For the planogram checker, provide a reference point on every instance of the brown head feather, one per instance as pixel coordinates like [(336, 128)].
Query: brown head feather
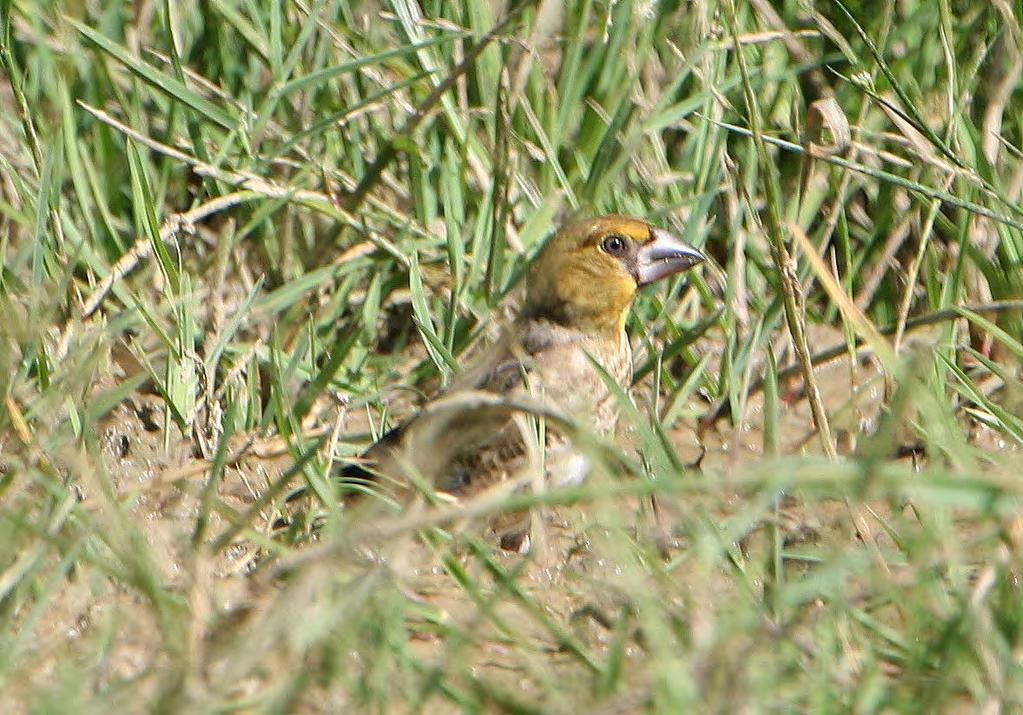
[(587, 275)]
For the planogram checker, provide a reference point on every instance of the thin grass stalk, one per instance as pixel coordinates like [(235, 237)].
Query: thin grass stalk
[(791, 291)]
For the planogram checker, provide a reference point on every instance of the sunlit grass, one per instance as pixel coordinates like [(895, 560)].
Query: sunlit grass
[(238, 238)]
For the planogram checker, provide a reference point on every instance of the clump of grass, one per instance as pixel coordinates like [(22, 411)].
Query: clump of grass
[(229, 231)]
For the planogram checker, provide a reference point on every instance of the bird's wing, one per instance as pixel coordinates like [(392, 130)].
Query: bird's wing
[(469, 436)]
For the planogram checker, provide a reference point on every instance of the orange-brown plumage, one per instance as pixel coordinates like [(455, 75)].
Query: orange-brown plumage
[(578, 294)]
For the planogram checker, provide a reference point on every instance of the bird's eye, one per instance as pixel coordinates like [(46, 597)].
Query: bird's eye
[(615, 245)]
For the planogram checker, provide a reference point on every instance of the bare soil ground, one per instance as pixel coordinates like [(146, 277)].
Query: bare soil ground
[(576, 574)]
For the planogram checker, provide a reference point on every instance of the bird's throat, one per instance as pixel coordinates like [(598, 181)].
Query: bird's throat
[(598, 321)]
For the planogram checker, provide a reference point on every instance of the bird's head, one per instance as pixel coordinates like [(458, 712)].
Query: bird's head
[(587, 275)]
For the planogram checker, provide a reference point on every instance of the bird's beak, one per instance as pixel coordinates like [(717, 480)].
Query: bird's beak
[(664, 255)]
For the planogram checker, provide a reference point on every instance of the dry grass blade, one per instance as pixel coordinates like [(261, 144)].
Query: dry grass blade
[(792, 294)]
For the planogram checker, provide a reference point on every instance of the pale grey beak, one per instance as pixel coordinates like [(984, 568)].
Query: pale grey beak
[(664, 255)]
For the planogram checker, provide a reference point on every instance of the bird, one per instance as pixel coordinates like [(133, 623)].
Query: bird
[(475, 434)]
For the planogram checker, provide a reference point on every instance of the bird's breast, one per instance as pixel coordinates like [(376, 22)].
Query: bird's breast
[(570, 380)]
